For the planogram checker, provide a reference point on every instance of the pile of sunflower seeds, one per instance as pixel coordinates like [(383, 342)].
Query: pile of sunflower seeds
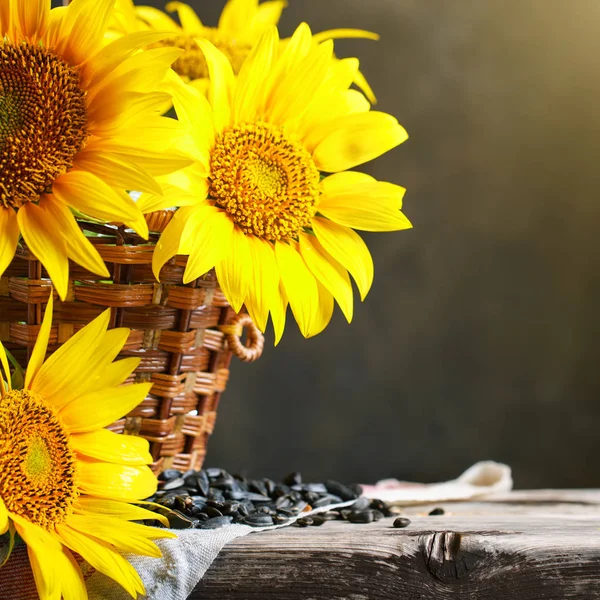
[(211, 498)]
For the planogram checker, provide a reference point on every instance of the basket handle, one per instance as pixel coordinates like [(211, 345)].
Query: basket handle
[(255, 341)]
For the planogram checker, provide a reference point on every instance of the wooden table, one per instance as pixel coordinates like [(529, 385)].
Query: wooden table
[(524, 545)]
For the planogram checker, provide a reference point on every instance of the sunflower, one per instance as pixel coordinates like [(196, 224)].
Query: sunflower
[(65, 482), (79, 125), (272, 205), (240, 26)]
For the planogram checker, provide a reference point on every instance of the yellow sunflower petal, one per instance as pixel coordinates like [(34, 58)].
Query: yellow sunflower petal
[(157, 18), (348, 248), (87, 505), (299, 284), (111, 447), (84, 25), (41, 344), (267, 15), (234, 272), (79, 247), (116, 373), (126, 536), (187, 17), (364, 86), (328, 108), (9, 236), (168, 244), (42, 548), (116, 482), (154, 161), (328, 272), (193, 108), (3, 518), (102, 558), (46, 244), (296, 49), (141, 72), (5, 373), (337, 34), (92, 368), (324, 311), (296, 91), (111, 56), (5, 20), (278, 314), (355, 139), (32, 16), (101, 408), (55, 375), (117, 172), (212, 234), (264, 291), (94, 197), (368, 207), (222, 81), (71, 577), (236, 15), (347, 182), (253, 74), (170, 198)]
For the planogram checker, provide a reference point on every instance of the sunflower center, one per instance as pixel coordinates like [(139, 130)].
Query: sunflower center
[(266, 181), (37, 464), (192, 63), (42, 121)]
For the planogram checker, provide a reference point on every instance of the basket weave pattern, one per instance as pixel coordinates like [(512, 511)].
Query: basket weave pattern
[(184, 334)]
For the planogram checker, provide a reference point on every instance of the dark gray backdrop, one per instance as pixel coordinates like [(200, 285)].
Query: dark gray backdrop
[(479, 337)]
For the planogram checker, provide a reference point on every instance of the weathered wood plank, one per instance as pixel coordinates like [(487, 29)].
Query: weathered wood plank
[(476, 551)]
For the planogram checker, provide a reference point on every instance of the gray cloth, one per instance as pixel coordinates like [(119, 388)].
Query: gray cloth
[(184, 562)]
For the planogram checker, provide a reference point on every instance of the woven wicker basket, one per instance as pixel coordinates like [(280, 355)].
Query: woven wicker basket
[(185, 335)]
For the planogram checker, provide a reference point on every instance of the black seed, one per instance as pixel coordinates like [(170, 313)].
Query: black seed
[(230, 508), (178, 520), (401, 522), (257, 497), (339, 489), (331, 515), (213, 473), (362, 504), (258, 487), (327, 500), (215, 494), (280, 519), (212, 512), (436, 511), (215, 522), (293, 479), (304, 522), (357, 489), (259, 520), (169, 474), (317, 520), (283, 502), (173, 484), (203, 483), (360, 516)]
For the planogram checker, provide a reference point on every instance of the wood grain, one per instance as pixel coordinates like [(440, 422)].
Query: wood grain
[(531, 546)]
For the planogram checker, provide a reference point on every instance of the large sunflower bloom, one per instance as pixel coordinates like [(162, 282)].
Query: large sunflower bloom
[(80, 125), (65, 482), (241, 24), (259, 208)]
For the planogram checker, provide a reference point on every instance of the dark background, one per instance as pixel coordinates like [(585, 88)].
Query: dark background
[(479, 337)]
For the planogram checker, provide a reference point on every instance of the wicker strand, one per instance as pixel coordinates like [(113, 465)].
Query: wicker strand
[(184, 334)]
